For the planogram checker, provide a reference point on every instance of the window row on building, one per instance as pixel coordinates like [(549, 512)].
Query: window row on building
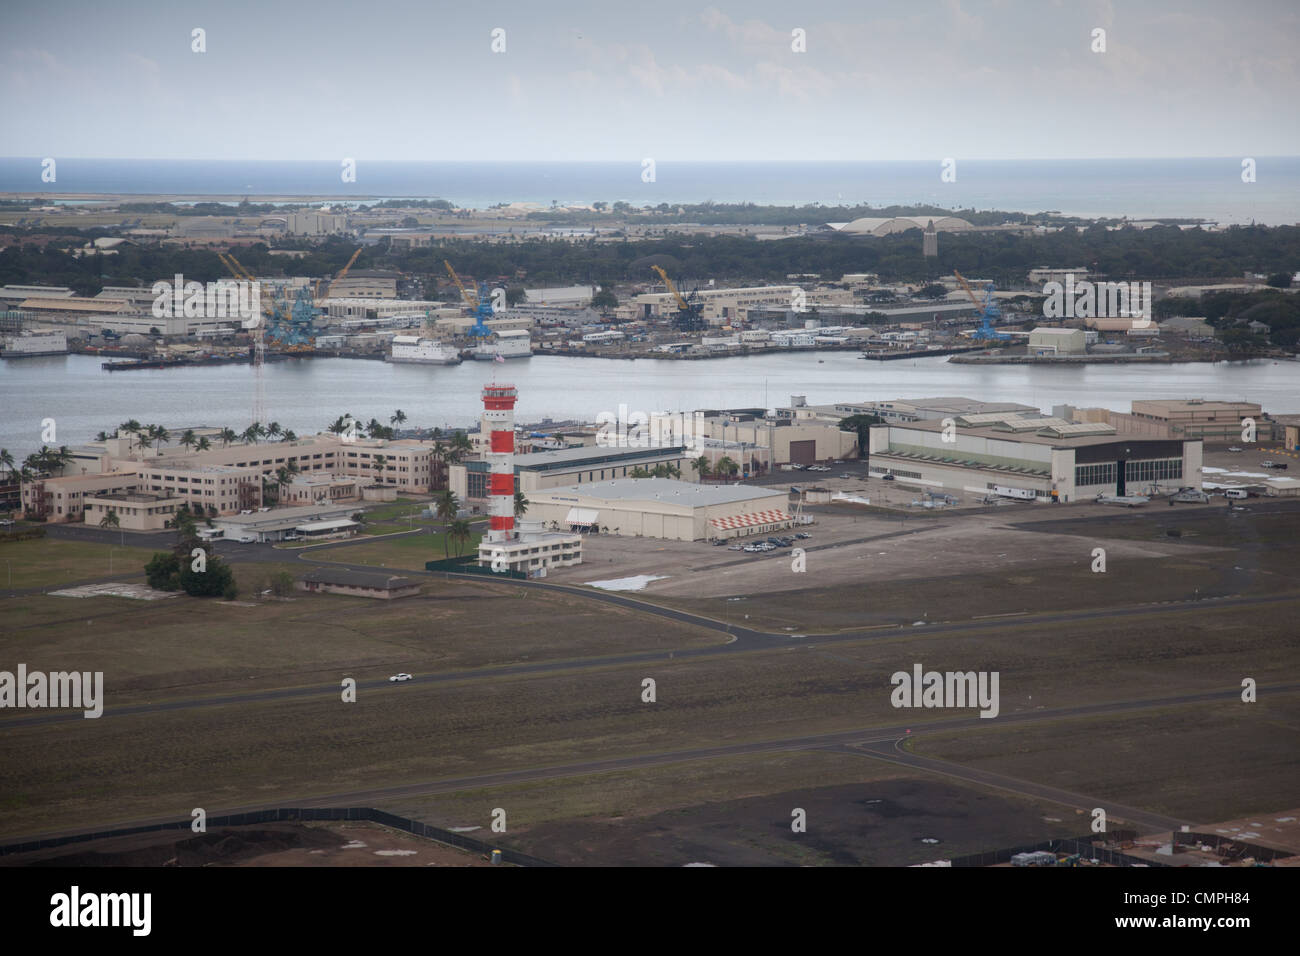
[(1094, 474), (1159, 469)]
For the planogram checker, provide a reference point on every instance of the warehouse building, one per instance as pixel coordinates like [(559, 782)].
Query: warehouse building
[(1051, 341), (770, 442), (897, 409), (1044, 458), (1198, 418), (561, 467), (662, 508)]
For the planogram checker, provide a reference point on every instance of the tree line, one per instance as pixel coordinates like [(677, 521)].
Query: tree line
[(1164, 252)]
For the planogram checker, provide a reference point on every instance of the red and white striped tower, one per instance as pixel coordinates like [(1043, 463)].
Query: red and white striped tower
[(499, 413)]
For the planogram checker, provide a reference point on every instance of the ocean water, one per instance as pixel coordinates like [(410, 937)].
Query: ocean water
[(307, 394), (1210, 189)]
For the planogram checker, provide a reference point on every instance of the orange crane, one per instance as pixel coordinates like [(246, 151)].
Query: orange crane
[(688, 309), (338, 278), (259, 341), (969, 291), (681, 303), (471, 300)]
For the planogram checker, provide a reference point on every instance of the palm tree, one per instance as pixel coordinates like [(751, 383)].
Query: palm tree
[(110, 520), (521, 504), (282, 478), (7, 462), (381, 463), (63, 458), (446, 508), (290, 435), (701, 465), (460, 533), (159, 434), (274, 431), (203, 444), (726, 466), (250, 434), (187, 439), (130, 428), (227, 435), (460, 446), (102, 436), (397, 418), (144, 439)]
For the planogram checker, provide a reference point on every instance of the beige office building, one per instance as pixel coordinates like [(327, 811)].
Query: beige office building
[(135, 511), (64, 499)]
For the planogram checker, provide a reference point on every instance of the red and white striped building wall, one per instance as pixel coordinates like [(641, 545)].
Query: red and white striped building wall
[(499, 414)]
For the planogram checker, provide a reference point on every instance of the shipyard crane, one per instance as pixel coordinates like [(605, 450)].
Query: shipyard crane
[(989, 313), (480, 305), (688, 309), (257, 354), (338, 278)]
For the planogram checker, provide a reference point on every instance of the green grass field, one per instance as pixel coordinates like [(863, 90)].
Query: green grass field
[(1198, 761), (410, 552), (49, 562)]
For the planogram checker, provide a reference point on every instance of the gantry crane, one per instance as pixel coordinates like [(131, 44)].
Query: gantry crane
[(688, 309), (257, 331), (480, 305), (989, 312), (338, 278)]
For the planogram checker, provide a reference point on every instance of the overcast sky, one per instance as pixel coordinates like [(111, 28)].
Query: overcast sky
[(614, 80)]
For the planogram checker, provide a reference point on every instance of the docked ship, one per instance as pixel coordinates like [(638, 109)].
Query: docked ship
[(33, 344), (418, 351), (504, 344)]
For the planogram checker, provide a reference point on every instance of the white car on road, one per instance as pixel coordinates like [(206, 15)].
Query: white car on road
[(396, 678)]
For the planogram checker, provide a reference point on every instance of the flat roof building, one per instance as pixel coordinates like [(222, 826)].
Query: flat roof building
[(134, 511), (663, 508), (1199, 418), (567, 466), (275, 525), (1044, 458)]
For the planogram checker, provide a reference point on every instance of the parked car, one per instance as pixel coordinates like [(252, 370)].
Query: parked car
[(803, 534), (846, 475), (1273, 464), (1234, 448), (886, 477), (398, 678)]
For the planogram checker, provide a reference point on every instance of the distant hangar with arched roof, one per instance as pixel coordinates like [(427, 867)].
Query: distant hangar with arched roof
[(876, 226)]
